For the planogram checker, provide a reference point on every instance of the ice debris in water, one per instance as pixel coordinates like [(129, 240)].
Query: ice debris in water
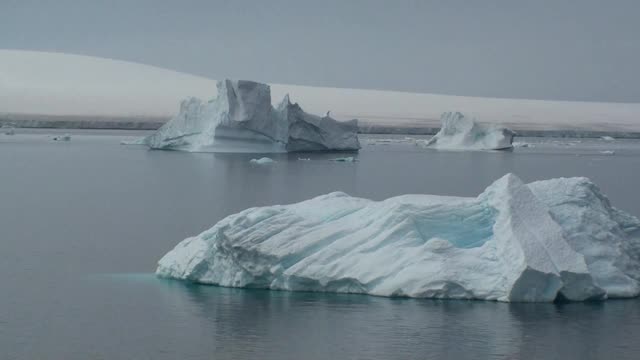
[(304, 159), (459, 132), (262, 161), (607, 152), (521, 144), (345, 159), (65, 137), (376, 141), (537, 242), (9, 131), (607, 138), (242, 119)]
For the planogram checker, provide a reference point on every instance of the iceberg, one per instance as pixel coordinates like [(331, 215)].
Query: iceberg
[(65, 137), (459, 132), (242, 119), (515, 242), (262, 161), (345, 159)]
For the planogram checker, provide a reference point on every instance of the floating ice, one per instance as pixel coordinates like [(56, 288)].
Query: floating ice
[(550, 239), (345, 159), (262, 161), (521, 144), (65, 137), (376, 141), (242, 119), (607, 138), (9, 131), (462, 133), (304, 159), (607, 152)]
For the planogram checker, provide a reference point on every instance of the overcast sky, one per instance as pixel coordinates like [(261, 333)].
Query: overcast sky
[(556, 49)]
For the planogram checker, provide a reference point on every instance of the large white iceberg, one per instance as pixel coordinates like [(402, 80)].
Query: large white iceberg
[(242, 119), (548, 240), (459, 132)]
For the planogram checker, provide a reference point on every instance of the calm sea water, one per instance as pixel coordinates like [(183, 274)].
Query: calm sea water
[(82, 224)]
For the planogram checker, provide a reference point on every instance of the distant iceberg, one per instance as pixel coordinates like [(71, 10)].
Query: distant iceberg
[(548, 240), (64, 137), (262, 161), (459, 132), (242, 119)]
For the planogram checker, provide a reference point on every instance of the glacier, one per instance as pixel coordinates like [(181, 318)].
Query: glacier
[(515, 242), (459, 132), (242, 119)]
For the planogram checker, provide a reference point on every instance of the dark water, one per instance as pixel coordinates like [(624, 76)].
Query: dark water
[(83, 223)]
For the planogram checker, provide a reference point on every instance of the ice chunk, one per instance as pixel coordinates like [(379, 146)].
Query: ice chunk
[(344, 159), (607, 152), (551, 239), (459, 132), (607, 138), (262, 161), (65, 137), (242, 119)]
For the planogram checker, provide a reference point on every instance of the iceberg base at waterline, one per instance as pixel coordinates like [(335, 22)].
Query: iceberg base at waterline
[(242, 119), (515, 242)]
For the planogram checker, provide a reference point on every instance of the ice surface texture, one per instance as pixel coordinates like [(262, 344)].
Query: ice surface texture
[(242, 119), (462, 133), (558, 238)]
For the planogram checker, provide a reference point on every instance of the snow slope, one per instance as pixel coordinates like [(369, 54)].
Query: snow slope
[(514, 242), (64, 84)]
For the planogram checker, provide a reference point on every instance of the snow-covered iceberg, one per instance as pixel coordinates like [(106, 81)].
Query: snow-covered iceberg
[(242, 119), (459, 132), (548, 240)]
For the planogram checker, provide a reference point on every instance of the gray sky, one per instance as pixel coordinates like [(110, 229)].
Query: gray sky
[(556, 49)]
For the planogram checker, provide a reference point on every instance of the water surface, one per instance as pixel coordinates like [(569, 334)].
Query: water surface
[(84, 222)]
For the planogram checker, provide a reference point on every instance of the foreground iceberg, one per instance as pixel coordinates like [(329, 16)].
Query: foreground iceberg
[(459, 132), (539, 242), (242, 119)]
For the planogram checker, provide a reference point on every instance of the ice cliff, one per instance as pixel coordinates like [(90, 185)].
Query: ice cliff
[(459, 132), (242, 119), (548, 240)]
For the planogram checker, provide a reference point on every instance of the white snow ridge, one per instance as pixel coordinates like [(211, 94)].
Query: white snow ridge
[(242, 119), (459, 132), (548, 240)]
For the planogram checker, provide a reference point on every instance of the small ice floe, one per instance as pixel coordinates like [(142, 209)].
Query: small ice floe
[(406, 140), (345, 159), (136, 141), (607, 138), (608, 152), (566, 143), (304, 159), (65, 137), (379, 142), (262, 161), (518, 144), (9, 131)]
